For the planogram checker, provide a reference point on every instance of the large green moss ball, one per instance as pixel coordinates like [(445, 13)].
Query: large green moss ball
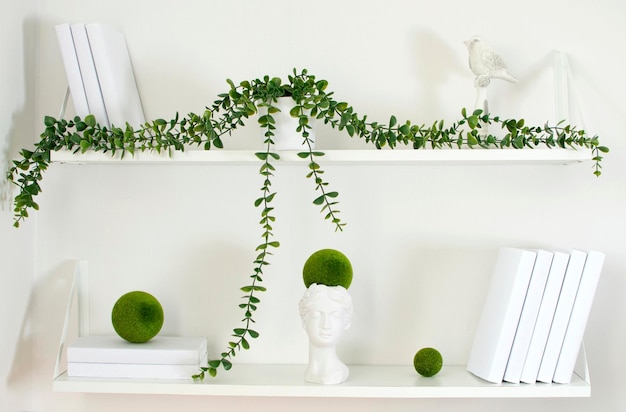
[(137, 316), (427, 362), (327, 267)]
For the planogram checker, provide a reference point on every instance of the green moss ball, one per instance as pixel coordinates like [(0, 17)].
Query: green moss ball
[(427, 362), (137, 316), (327, 267)]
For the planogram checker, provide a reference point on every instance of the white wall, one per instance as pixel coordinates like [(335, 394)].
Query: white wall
[(422, 238), (18, 31)]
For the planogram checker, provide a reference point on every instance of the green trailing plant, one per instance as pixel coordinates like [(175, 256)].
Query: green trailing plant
[(232, 110)]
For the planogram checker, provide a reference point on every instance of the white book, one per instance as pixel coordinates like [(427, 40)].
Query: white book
[(528, 318), (89, 74), (72, 69), (578, 319), (561, 316), (544, 317), (132, 371), (501, 313), (116, 76), (158, 350)]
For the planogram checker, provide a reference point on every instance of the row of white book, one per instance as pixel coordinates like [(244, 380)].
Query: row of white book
[(100, 74), (163, 357), (534, 316)]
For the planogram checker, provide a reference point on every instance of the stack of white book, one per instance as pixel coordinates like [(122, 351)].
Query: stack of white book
[(535, 314), (100, 74), (163, 357)]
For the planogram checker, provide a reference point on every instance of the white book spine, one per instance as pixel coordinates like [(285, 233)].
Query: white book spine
[(160, 350), (561, 316), (500, 315), (528, 318), (578, 319), (115, 72), (133, 371), (72, 69), (89, 74), (544, 317)]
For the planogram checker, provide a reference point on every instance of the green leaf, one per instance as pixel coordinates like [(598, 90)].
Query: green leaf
[(49, 121), (393, 121), (253, 334), (90, 119), (227, 364), (342, 106), (320, 200), (84, 145), (472, 121), (295, 111)]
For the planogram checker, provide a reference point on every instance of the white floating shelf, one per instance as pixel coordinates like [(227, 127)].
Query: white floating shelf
[(364, 382), (398, 156)]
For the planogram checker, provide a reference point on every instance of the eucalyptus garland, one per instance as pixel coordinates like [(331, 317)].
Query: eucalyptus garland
[(232, 110)]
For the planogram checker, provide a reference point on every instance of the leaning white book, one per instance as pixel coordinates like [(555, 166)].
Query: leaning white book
[(578, 319), (501, 313), (544, 317), (528, 318), (561, 316), (116, 75), (72, 69), (88, 72)]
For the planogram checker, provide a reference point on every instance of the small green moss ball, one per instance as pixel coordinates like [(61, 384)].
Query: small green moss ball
[(427, 362), (327, 267), (137, 316)]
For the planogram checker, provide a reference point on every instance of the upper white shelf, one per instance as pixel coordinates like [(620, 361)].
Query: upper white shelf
[(398, 156), (364, 382)]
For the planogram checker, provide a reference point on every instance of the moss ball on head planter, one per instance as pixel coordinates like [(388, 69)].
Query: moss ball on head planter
[(327, 267), (427, 362), (137, 317)]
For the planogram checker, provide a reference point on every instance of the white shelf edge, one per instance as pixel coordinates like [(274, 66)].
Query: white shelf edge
[(398, 156), (364, 382)]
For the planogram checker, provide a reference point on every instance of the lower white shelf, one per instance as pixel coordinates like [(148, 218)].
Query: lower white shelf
[(364, 382)]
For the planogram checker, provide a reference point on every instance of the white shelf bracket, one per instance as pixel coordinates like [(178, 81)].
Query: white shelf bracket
[(582, 368), (561, 87), (78, 295), (567, 105)]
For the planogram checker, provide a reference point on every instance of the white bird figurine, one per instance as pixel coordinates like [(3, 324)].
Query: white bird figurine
[(485, 63)]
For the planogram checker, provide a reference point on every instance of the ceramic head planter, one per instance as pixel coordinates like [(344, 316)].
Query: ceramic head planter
[(326, 312)]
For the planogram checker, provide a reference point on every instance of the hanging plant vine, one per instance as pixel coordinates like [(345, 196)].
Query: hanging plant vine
[(232, 110)]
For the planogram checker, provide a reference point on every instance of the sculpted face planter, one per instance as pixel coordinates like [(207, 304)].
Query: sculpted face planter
[(326, 313)]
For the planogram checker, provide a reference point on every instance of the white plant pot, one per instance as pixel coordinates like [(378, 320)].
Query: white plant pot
[(286, 137)]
